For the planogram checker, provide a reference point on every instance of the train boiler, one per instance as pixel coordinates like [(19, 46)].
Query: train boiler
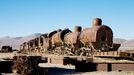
[(98, 37), (71, 39), (58, 38)]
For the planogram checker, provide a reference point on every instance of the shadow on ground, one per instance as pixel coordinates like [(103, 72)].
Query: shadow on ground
[(58, 71)]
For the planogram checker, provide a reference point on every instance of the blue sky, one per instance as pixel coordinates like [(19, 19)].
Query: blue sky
[(25, 17)]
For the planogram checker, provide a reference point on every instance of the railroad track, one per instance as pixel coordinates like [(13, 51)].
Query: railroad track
[(116, 54)]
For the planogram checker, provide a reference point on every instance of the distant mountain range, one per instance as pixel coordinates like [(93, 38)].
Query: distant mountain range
[(16, 41), (127, 45)]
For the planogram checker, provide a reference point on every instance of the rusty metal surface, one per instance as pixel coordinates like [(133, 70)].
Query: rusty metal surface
[(77, 29), (97, 35), (56, 40), (52, 33), (97, 22), (115, 47), (71, 38)]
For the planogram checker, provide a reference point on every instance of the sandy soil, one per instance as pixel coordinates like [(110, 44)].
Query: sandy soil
[(7, 55)]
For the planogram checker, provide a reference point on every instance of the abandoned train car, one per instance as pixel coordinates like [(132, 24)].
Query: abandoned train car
[(96, 38)]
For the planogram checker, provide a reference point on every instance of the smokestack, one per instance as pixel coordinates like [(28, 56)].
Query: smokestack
[(59, 30), (78, 29), (97, 22)]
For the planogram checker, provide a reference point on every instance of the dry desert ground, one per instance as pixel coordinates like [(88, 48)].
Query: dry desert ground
[(56, 69)]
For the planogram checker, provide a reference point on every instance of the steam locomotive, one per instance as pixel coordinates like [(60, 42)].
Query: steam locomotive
[(78, 42)]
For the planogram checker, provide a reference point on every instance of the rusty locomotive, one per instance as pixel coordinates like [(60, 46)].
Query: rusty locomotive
[(79, 42)]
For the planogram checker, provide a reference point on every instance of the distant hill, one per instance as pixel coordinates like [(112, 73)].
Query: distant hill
[(127, 45), (16, 41), (119, 40)]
